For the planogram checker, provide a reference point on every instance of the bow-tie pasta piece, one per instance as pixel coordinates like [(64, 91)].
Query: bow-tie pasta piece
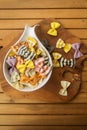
[(56, 55), (33, 80), (20, 60), (27, 64), (15, 48), (64, 85), (11, 54), (12, 70), (67, 47), (76, 47), (15, 77), (53, 31), (55, 25), (21, 68), (30, 72), (38, 52), (63, 92), (32, 42), (27, 55), (42, 65), (56, 63), (41, 51), (32, 49), (60, 43), (65, 62), (45, 70), (18, 85), (11, 61)]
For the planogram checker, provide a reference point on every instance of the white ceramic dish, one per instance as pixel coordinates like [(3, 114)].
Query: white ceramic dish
[(28, 31)]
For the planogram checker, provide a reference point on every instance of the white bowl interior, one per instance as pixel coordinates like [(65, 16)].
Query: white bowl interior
[(28, 31)]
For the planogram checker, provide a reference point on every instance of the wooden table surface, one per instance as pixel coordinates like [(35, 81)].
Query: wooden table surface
[(23, 114)]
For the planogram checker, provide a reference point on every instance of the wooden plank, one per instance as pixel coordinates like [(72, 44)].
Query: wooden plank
[(85, 66), (84, 76), (5, 33), (43, 120), (1, 89), (33, 13), (16, 24), (81, 98), (43, 127), (43, 4), (82, 33), (84, 87), (84, 41), (48, 109)]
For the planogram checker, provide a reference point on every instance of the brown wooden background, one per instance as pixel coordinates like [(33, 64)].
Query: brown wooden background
[(24, 114)]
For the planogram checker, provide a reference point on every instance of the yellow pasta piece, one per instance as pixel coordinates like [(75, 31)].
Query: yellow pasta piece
[(56, 55), (32, 49), (32, 41), (38, 51), (52, 32), (18, 85), (11, 53), (67, 47), (55, 25), (56, 63), (29, 64), (60, 43), (21, 68)]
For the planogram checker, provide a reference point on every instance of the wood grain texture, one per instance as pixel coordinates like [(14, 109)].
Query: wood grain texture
[(41, 109), (19, 24), (4, 98), (47, 4), (81, 33), (43, 120), (47, 13), (14, 14), (49, 87), (43, 127)]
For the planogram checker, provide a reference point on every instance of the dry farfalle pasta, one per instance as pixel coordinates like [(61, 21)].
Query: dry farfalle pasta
[(28, 64)]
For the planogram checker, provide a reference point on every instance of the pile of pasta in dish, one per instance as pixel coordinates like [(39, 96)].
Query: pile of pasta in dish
[(28, 64)]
